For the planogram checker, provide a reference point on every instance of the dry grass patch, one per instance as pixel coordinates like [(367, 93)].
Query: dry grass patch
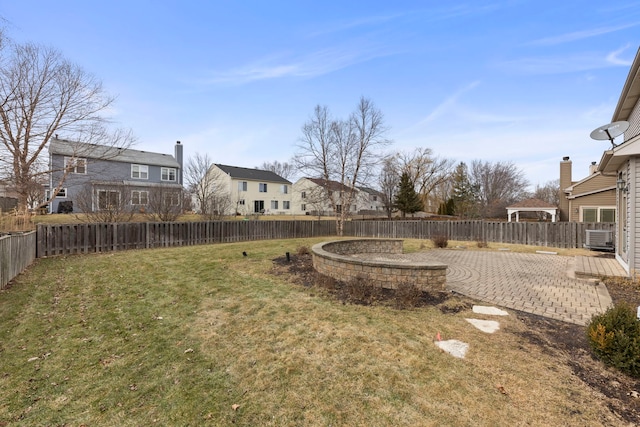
[(204, 336)]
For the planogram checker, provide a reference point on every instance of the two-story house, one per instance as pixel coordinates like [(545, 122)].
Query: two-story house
[(369, 201), (252, 190), (592, 199), (622, 162), (317, 196), (95, 177)]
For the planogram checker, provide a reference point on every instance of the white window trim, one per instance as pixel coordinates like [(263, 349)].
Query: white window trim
[(62, 194), (140, 192), (242, 186), (142, 169), (598, 212), (106, 191), (168, 173), (262, 185), (75, 161)]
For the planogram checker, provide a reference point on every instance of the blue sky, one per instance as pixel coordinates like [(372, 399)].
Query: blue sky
[(513, 80)]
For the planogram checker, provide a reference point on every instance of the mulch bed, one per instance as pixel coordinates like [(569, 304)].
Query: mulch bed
[(565, 340)]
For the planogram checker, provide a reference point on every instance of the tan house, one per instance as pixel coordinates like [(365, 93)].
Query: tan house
[(592, 199), (317, 196), (622, 161), (253, 190)]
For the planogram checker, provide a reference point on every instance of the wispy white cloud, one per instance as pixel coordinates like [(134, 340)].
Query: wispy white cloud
[(579, 35), (320, 62), (447, 105), (565, 63), (424, 15), (614, 58), (356, 23)]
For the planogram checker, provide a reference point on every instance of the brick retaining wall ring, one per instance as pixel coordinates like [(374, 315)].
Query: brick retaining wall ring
[(378, 260)]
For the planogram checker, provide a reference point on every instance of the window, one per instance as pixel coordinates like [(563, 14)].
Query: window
[(286, 204), (607, 215), (593, 214), (263, 187), (303, 207), (75, 164), (168, 174), (140, 171), (242, 186), (284, 189), (375, 198), (108, 199), (139, 197), (274, 204), (62, 193), (303, 195), (241, 202), (589, 215), (172, 198)]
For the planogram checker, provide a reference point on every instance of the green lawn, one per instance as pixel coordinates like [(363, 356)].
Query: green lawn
[(204, 336)]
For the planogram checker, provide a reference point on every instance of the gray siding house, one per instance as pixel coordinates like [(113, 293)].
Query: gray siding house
[(95, 177)]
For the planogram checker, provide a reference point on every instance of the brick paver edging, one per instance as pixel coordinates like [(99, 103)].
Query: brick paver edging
[(379, 261)]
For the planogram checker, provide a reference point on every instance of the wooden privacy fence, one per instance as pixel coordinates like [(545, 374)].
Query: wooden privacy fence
[(88, 238), (552, 234), (66, 239), (17, 251)]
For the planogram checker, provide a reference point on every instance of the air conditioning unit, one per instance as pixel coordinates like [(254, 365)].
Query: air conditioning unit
[(600, 240)]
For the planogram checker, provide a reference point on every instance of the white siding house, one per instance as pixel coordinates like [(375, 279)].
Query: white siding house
[(253, 190), (623, 162)]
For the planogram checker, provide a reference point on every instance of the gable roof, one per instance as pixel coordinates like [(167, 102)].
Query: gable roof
[(370, 191), (251, 174), (533, 203), (64, 147), (328, 184), (630, 92), (595, 175)]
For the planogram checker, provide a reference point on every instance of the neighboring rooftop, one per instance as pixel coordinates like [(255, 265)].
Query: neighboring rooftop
[(252, 174), (532, 203), (104, 152)]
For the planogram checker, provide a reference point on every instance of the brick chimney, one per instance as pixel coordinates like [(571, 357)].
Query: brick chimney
[(565, 181), (179, 160)]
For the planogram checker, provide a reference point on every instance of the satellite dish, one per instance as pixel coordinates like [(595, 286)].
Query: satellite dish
[(610, 131)]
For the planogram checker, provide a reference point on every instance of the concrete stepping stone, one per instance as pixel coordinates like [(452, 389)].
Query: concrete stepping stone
[(481, 309), (453, 347), (488, 326)]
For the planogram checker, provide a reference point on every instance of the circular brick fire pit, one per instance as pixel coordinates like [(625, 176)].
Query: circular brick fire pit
[(378, 260)]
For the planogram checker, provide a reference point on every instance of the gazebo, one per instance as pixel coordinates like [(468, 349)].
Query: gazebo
[(532, 205)]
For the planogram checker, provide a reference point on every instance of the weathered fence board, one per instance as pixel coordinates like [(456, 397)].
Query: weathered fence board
[(17, 251), (89, 238)]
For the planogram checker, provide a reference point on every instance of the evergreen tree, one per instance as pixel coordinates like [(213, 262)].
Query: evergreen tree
[(407, 200), (465, 197)]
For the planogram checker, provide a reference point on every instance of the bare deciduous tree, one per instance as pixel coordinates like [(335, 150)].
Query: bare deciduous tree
[(498, 185), (389, 182), (342, 151), (107, 202), (427, 172), (284, 170), (212, 198), (41, 94), (165, 203), (549, 192)]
